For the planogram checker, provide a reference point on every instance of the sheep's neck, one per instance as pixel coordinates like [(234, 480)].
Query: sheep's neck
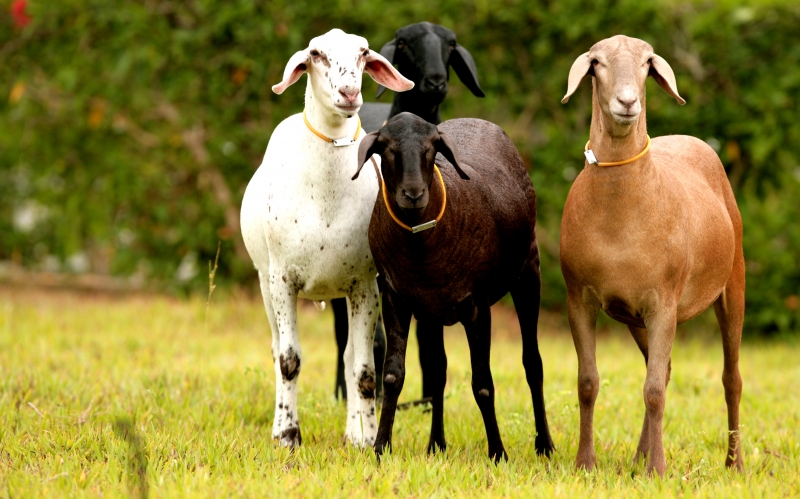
[(326, 121), (618, 191), (612, 142), (430, 212), (416, 103)]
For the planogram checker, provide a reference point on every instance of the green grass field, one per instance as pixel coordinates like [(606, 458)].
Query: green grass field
[(142, 396)]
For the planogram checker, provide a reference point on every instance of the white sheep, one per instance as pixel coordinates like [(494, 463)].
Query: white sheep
[(305, 223)]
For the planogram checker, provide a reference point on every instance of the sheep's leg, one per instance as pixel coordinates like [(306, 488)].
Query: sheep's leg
[(283, 303), (276, 345), (640, 336), (340, 326), (479, 336), (660, 336), (428, 359), (436, 378), (396, 320), (339, 307), (582, 320), (729, 309), (363, 309), (526, 294), (379, 353)]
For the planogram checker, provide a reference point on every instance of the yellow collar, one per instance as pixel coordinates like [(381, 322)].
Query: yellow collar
[(593, 161), (427, 225), (337, 142)]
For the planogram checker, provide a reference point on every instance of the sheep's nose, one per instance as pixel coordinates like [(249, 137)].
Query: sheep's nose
[(350, 95), (413, 197), (627, 101), (435, 83)]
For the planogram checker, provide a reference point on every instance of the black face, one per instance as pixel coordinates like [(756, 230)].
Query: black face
[(422, 54), (408, 145), (407, 150)]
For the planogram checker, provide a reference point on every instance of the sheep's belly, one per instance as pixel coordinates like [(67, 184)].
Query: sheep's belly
[(322, 260)]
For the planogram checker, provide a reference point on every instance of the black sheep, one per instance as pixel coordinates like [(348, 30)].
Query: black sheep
[(481, 246), (423, 53)]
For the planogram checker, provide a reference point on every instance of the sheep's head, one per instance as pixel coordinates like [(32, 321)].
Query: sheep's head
[(424, 52), (620, 66), (407, 145), (335, 63)]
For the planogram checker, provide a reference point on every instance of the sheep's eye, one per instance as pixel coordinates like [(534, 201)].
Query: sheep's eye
[(365, 53), (315, 53), (452, 43), (401, 44), (595, 62)]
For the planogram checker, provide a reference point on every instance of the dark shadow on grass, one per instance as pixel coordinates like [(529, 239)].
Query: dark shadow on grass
[(137, 459)]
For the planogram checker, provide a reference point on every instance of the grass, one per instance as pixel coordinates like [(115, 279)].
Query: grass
[(138, 396)]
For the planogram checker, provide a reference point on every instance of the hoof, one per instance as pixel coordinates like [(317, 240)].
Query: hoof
[(434, 447), (585, 463), (736, 465), (290, 437), (498, 455), (544, 445)]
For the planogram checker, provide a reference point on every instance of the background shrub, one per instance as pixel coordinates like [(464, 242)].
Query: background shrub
[(130, 129)]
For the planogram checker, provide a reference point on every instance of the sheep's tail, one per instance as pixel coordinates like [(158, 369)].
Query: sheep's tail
[(320, 305)]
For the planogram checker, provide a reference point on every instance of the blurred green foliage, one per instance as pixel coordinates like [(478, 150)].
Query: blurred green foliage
[(129, 130)]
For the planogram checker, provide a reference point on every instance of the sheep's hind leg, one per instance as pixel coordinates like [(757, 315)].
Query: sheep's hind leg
[(479, 336), (340, 326), (363, 308), (397, 320), (729, 309), (526, 294), (436, 373)]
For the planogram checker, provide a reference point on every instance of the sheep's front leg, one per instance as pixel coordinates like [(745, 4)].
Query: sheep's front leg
[(479, 336), (287, 355), (396, 320), (660, 336), (359, 362), (582, 320)]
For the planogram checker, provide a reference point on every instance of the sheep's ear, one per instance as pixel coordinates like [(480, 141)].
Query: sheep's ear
[(661, 72), (295, 68), (464, 66), (446, 146), (366, 149), (579, 69), (385, 74), (387, 51)]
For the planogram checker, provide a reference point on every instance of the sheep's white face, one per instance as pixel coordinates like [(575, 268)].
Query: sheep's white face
[(335, 63)]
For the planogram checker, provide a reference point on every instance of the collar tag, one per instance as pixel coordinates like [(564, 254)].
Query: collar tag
[(425, 226), (346, 141), (590, 157)]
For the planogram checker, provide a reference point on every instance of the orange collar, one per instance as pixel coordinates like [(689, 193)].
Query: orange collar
[(427, 225), (337, 142), (593, 160)]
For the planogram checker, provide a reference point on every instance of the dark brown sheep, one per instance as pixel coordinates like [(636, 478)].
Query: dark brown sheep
[(482, 247)]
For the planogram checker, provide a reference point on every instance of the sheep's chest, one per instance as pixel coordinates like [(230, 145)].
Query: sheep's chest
[(314, 217)]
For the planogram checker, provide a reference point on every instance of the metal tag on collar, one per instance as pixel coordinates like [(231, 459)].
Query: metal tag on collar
[(343, 142), (590, 157), (425, 226)]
